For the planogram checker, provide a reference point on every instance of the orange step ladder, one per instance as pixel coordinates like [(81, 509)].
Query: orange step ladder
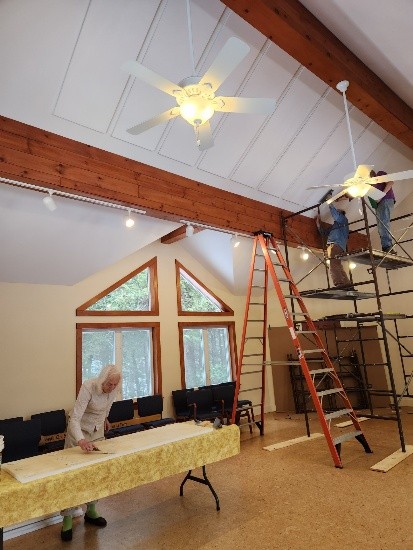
[(266, 257)]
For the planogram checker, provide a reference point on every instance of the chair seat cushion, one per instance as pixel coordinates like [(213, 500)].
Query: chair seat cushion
[(159, 423)]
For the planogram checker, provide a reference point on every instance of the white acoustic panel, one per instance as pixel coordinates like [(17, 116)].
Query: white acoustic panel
[(112, 32), (285, 124)]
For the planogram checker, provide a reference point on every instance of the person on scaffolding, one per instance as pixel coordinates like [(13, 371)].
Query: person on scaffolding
[(337, 237), (384, 209)]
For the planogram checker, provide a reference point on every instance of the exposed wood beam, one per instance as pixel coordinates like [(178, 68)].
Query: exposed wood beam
[(295, 30), (44, 159), (178, 235)]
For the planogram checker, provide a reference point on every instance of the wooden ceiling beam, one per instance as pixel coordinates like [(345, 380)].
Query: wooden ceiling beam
[(46, 160), (298, 32), (177, 235)]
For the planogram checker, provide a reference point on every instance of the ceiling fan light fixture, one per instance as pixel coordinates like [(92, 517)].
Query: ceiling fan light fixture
[(196, 110), (358, 190)]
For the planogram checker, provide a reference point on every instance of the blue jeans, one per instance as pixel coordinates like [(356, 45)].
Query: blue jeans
[(383, 214)]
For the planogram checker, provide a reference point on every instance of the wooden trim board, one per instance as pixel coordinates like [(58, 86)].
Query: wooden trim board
[(290, 442), (391, 461)]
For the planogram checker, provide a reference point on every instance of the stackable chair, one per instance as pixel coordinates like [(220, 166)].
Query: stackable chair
[(182, 411), (52, 429), (201, 404), (151, 405), (21, 438), (122, 411)]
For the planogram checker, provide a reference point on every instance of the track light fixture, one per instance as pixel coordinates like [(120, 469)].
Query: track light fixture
[(352, 265), (304, 254), (235, 240), (49, 202), (129, 222), (189, 230)]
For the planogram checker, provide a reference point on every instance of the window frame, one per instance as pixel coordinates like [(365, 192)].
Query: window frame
[(226, 310), (153, 290), (156, 348), (230, 325)]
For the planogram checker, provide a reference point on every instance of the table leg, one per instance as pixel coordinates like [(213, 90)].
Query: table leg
[(204, 481), (1, 538)]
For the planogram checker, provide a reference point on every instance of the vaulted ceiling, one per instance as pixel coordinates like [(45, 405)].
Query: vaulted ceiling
[(60, 65)]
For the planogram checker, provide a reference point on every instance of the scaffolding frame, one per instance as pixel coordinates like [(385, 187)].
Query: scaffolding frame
[(389, 326)]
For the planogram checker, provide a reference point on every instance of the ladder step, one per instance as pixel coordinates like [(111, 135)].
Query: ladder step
[(252, 354), (329, 392), (336, 414), (292, 296), (250, 389), (256, 303), (315, 350), (320, 371), (346, 437), (299, 314), (257, 286), (251, 372), (259, 269), (255, 320), (306, 332)]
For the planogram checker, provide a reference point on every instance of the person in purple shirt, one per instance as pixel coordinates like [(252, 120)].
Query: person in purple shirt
[(384, 211)]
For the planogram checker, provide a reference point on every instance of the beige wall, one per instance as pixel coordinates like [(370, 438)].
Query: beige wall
[(37, 325)]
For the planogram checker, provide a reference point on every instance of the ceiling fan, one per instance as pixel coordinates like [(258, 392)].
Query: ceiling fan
[(360, 184), (195, 97)]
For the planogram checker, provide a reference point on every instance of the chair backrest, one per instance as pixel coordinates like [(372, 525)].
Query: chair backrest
[(180, 402), (4, 421), (150, 405), (21, 439), (52, 422), (224, 392), (121, 410), (202, 398)]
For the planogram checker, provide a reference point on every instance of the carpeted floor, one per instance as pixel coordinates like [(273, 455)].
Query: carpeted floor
[(291, 498)]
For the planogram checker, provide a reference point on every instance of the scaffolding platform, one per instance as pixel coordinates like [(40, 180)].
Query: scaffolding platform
[(363, 317), (380, 259), (336, 294)]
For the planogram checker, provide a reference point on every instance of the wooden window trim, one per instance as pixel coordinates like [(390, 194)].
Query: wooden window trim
[(230, 325), (152, 265), (156, 348), (226, 310)]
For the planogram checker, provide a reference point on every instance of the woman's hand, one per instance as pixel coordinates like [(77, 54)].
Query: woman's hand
[(85, 445)]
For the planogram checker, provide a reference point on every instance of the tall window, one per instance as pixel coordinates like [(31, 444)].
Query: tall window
[(134, 347), (207, 353)]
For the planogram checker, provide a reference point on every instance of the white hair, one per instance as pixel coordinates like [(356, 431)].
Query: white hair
[(106, 373)]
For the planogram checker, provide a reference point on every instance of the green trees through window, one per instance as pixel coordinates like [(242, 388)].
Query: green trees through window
[(133, 295)]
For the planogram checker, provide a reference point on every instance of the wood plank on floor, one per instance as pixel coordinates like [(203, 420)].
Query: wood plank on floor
[(390, 461), (290, 442), (350, 422)]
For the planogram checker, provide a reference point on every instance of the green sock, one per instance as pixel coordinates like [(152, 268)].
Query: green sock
[(67, 523), (91, 510)]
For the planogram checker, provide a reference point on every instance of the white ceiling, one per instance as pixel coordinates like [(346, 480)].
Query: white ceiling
[(60, 70)]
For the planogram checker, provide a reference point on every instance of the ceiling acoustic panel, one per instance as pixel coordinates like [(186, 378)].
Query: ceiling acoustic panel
[(318, 126), (111, 33), (289, 117)]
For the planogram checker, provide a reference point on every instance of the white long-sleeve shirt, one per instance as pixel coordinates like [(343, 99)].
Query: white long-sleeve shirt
[(90, 410)]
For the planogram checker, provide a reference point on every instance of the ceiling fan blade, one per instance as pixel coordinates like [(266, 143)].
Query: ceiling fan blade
[(329, 186), (375, 194), (340, 194), (148, 124), (392, 177), (225, 62), (253, 105), (203, 136), (150, 77)]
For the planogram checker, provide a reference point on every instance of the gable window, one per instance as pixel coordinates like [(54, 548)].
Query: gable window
[(134, 347), (194, 298), (135, 294), (208, 353)]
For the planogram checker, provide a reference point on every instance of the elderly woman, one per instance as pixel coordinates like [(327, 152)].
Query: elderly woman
[(87, 424)]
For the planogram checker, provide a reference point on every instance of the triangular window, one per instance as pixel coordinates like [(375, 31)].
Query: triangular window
[(194, 298), (135, 294)]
